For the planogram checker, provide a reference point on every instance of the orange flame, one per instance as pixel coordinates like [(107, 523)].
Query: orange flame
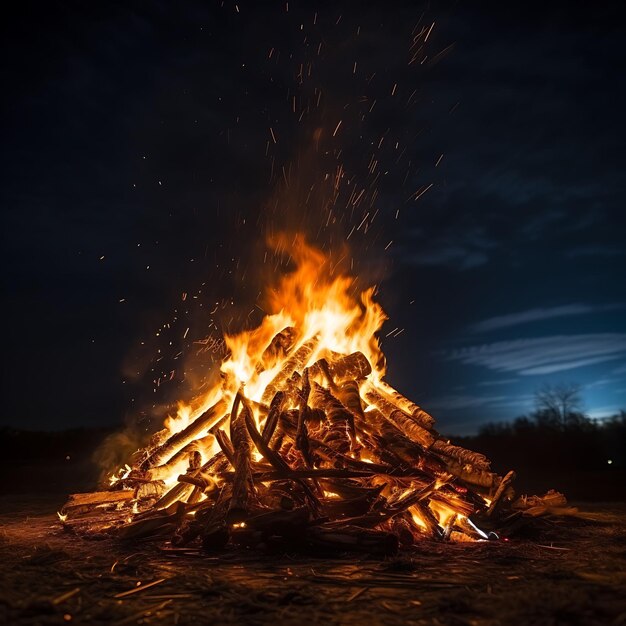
[(320, 306), (313, 301)]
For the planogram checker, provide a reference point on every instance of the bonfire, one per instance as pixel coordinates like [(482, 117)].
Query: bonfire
[(302, 445)]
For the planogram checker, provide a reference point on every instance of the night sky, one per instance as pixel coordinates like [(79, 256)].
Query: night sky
[(150, 148)]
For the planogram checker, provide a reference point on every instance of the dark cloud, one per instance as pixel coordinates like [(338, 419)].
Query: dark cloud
[(544, 355)]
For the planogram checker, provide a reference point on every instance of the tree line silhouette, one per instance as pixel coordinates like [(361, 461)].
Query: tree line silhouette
[(558, 440)]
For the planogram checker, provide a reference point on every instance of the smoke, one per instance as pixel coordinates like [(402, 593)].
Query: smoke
[(117, 450)]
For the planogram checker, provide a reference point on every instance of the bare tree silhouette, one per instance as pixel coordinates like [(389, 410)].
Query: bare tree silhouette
[(559, 404)]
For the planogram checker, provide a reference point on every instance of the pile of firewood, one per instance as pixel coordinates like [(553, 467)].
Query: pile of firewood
[(340, 462)]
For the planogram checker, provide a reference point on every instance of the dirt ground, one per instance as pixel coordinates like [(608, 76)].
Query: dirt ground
[(568, 572)]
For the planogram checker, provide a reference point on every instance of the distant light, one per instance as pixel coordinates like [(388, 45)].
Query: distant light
[(610, 461)]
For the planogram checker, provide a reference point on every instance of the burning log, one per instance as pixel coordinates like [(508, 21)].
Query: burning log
[(178, 441), (463, 456), (427, 517), (226, 446), (159, 525), (353, 366), (404, 404), (320, 371), (341, 421), (487, 481), (302, 433), (81, 503), (152, 489), (349, 394), (242, 484), (293, 363), (415, 432), (177, 493), (400, 419), (278, 348), (271, 422), (161, 472)]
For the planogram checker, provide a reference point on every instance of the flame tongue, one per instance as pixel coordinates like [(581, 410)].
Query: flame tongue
[(312, 424), (312, 317)]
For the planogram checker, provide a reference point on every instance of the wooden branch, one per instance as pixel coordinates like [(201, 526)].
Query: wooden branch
[(219, 423), (453, 501), (302, 435), (238, 508), (504, 483), (262, 446), (276, 406), (274, 458), (226, 446), (392, 438)]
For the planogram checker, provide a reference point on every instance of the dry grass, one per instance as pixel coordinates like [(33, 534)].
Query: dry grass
[(569, 572)]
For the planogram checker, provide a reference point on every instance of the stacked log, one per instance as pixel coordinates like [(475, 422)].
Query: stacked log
[(329, 460)]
